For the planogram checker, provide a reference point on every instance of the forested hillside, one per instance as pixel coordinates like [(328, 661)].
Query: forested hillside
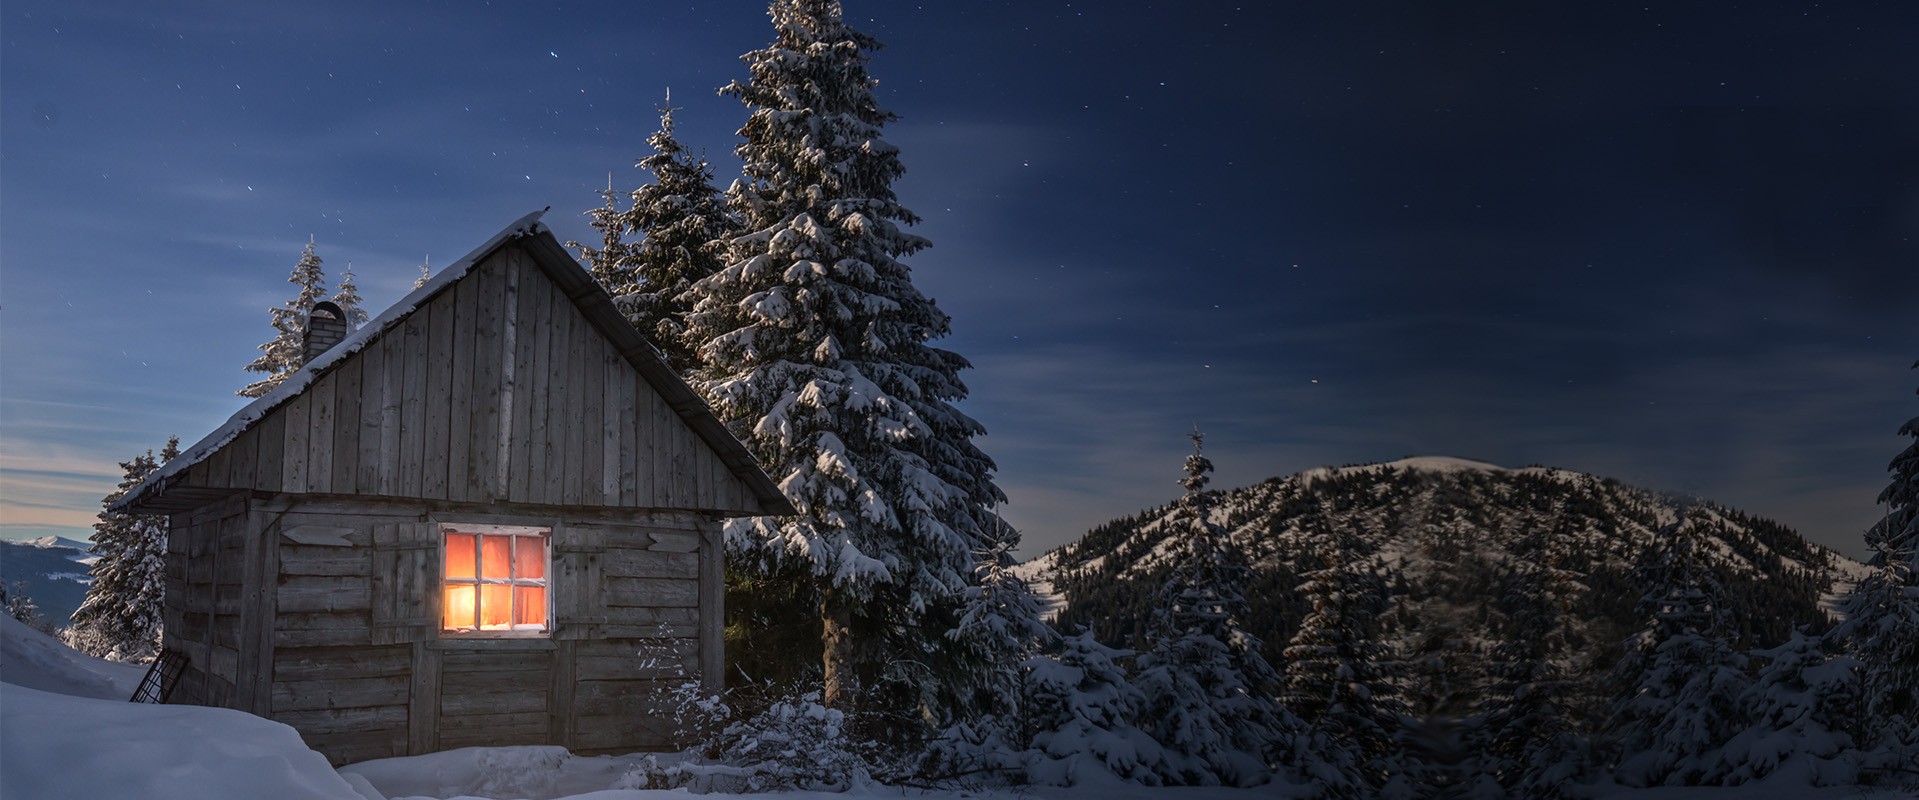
[(1444, 535)]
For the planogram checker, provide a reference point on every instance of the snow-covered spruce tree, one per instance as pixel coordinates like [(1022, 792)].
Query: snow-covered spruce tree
[(1802, 705), (281, 355), (426, 272), (1528, 744), (20, 606), (121, 615), (1881, 625), (683, 223), (1335, 678), (1001, 629), (1681, 678), (815, 351), (1209, 692), (1084, 715), (348, 299)]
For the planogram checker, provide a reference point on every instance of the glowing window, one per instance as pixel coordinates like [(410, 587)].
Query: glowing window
[(495, 581)]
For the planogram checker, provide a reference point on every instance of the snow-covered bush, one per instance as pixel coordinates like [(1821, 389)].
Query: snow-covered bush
[(790, 742), (1802, 705), (1084, 714), (1682, 680)]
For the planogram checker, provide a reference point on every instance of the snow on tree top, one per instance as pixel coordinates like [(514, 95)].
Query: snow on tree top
[(529, 225)]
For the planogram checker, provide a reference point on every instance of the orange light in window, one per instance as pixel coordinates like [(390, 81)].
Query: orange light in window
[(496, 606), (459, 558), (529, 558), (495, 561), (459, 607), (495, 580), (529, 605)]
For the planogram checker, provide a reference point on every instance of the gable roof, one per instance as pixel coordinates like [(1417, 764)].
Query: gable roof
[(162, 490)]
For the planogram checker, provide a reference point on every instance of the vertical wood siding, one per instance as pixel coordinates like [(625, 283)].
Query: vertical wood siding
[(496, 390)]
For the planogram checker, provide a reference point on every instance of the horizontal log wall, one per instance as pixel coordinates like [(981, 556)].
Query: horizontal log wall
[(496, 390), (636, 605)]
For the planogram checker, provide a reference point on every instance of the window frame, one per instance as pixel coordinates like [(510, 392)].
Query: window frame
[(480, 530)]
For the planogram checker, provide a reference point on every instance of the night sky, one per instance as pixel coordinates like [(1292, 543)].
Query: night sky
[(1675, 244)]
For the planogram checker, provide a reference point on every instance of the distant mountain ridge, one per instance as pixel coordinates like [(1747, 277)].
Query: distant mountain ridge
[(1443, 527), (53, 570)]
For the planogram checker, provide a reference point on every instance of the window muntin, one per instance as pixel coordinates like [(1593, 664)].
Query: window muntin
[(495, 580)]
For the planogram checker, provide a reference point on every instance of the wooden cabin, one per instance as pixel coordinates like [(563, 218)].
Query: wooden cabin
[(491, 516)]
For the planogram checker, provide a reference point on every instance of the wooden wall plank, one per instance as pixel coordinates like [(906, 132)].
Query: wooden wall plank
[(672, 480), (356, 746), (268, 462), (583, 459), (372, 412), (559, 406), (537, 305), (346, 426), (392, 407), (324, 663), (439, 395), (592, 394), (320, 435), (631, 563), (559, 703), (217, 468), (294, 456), (245, 447), (339, 693), (330, 594), (423, 706), (460, 485), (344, 720), (712, 609), (499, 338), (413, 401), (609, 429), (651, 493), (625, 385), (321, 629), (651, 592)]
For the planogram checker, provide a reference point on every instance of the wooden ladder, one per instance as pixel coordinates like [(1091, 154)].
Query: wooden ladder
[(160, 677)]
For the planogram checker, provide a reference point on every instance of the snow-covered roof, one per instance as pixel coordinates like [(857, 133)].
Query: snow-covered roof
[(648, 361)]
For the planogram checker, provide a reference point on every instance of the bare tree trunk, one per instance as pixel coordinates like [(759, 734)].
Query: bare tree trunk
[(836, 636)]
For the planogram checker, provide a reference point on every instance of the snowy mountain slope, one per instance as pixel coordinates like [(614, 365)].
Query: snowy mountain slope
[(1444, 527), (35, 660)]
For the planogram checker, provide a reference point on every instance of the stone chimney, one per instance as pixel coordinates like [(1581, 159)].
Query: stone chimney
[(326, 326)]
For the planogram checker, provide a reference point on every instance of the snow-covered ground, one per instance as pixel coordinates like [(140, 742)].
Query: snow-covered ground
[(66, 731)]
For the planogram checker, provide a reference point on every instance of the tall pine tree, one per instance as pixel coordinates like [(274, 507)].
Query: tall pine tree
[(684, 224), (348, 299), (816, 352), (1209, 692), (1881, 619), (282, 355), (121, 616)]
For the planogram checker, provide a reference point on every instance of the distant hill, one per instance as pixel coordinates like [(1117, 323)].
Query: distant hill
[(51, 570), (1444, 526)]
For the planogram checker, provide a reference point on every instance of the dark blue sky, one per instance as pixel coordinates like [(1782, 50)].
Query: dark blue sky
[(1673, 244)]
